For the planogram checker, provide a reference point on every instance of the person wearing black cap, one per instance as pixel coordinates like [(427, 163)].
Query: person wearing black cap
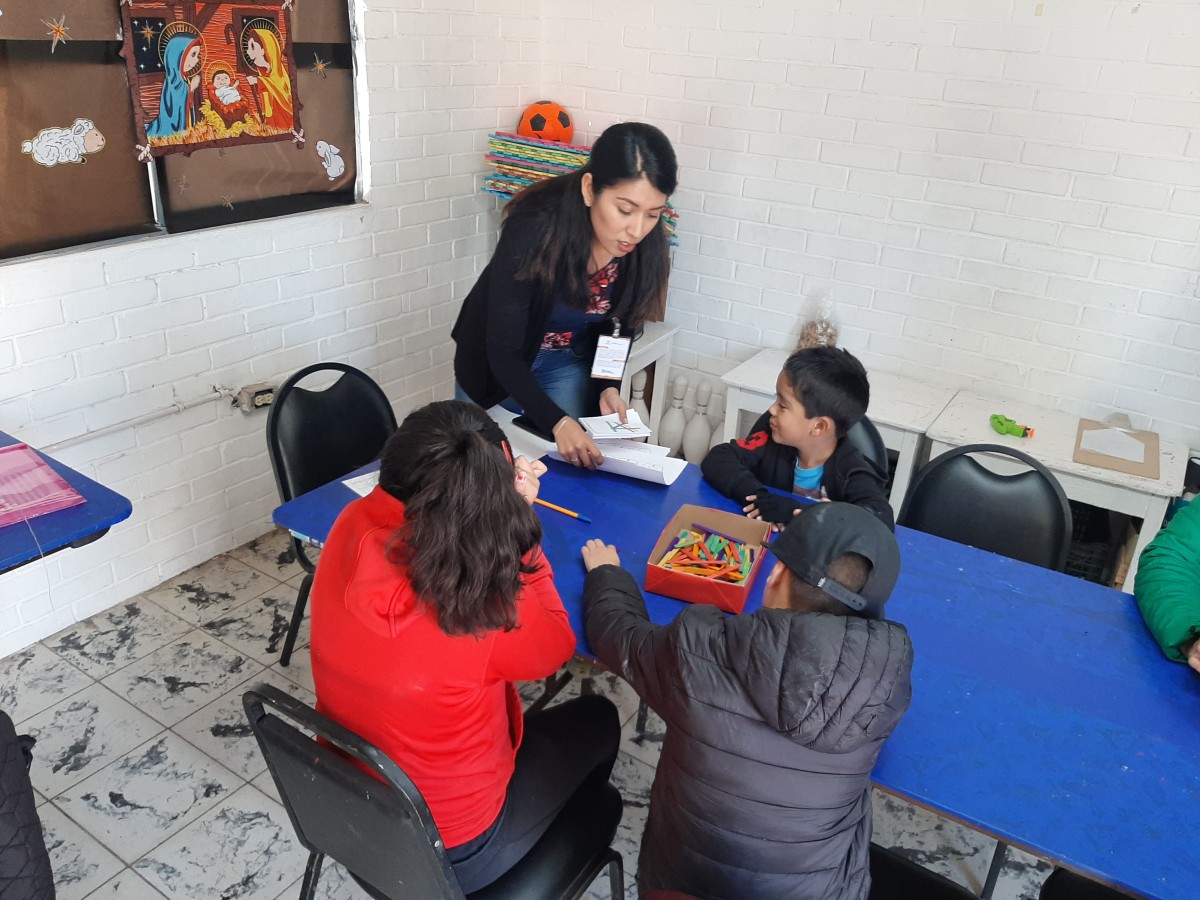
[(774, 719)]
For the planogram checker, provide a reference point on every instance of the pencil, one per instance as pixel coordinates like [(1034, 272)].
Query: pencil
[(563, 510)]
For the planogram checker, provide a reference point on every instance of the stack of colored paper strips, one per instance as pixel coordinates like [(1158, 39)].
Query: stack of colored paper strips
[(520, 161), (699, 551), (29, 487)]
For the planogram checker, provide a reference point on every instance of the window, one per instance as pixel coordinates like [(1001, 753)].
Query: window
[(170, 115)]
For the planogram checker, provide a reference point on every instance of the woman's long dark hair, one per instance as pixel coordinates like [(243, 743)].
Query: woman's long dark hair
[(466, 528), (558, 260)]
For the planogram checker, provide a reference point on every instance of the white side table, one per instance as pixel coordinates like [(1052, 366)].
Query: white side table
[(965, 420), (654, 346), (902, 409)]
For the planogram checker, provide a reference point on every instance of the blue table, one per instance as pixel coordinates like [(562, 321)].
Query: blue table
[(1043, 713), (74, 526)]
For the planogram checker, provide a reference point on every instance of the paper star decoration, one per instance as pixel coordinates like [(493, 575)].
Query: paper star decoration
[(227, 201), (58, 31), (183, 183), (148, 33), (319, 65)]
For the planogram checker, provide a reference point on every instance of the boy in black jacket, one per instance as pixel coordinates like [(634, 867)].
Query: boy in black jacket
[(799, 445)]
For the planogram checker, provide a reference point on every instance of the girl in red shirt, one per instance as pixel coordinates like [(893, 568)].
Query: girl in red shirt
[(431, 598)]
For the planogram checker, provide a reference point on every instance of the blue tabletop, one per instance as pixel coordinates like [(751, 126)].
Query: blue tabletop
[(102, 509), (1043, 712)]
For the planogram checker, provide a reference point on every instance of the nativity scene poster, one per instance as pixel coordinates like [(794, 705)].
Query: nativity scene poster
[(210, 73)]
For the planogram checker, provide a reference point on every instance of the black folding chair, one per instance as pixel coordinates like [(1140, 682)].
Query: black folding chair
[(315, 436), (379, 828), (895, 877), (1024, 516), (1064, 884)]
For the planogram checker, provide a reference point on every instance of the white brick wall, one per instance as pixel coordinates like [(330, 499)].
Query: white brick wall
[(999, 195), (96, 337)]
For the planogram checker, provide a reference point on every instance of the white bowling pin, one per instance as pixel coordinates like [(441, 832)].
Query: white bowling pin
[(637, 392), (670, 429), (698, 432)]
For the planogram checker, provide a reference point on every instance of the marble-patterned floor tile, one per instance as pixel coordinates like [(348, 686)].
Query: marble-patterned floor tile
[(266, 784), (299, 667), (646, 745), (243, 849), (147, 795), (271, 554), (82, 734), (258, 627), (81, 863), (172, 683), (126, 886), (110, 640), (222, 731), (211, 589), (334, 884), (34, 679)]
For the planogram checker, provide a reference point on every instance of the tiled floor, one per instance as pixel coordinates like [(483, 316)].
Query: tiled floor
[(150, 784)]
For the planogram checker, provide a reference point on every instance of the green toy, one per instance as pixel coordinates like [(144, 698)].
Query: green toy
[(1005, 425)]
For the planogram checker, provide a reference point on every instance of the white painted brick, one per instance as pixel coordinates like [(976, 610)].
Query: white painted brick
[(1135, 136), (912, 307), (1154, 224), (1156, 169), (773, 145), (1101, 104), (1135, 275), (1129, 324), (990, 93), (1026, 178), (687, 66), (116, 355), (163, 315), (972, 63), (950, 290), (917, 261), (171, 255), (1013, 227), (901, 137), (728, 292), (31, 282), (1188, 337), (931, 214), (1037, 308), (777, 97), (878, 232), (79, 394), (988, 322), (793, 48), (89, 304), (986, 146), (816, 174), (993, 36), (1108, 347), (1046, 259), (967, 11), (824, 127), (1053, 71), (957, 243), (8, 355), (30, 317), (1180, 308), (892, 28), (919, 85), (1097, 44), (804, 218), (1118, 190), (1037, 126), (53, 342), (1105, 243), (886, 184), (871, 55), (951, 168), (842, 248), (798, 262), (833, 25), (1146, 78), (859, 157), (873, 276), (1185, 362), (844, 201), (1091, 292), (1185, 256), (941, 115), (1002, 277), (1071, 159), (1162, 111), (710, 91)]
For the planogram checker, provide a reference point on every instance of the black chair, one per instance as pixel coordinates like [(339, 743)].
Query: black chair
[(316, 436), (1066, 885), (1024, 516), (894, 877), (380, 829), (865, 438)]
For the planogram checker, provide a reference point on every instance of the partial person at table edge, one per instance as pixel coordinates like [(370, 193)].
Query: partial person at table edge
[(1167, 586), (581, 257), (774, 719), (799, 445), (432, 597)]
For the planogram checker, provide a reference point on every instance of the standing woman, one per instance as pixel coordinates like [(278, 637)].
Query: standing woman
[(432, 597), (580, 255)]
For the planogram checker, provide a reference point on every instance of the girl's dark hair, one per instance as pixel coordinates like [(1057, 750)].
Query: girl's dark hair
[(466, 528), (558, 260)]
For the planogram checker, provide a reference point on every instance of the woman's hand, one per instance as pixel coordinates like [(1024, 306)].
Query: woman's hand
[(528, 477), (575, 446), (1193, 657), (598, 553), (611, 401)]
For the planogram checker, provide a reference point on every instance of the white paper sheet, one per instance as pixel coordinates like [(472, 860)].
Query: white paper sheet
[(610, 428), (655, 467), (1113, 442), (363, 484)]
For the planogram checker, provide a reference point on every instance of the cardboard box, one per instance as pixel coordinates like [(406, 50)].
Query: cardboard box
[(693, 588), (1146, 466)]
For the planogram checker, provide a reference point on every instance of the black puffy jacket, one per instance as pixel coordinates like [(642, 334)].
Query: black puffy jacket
[(774, 721)]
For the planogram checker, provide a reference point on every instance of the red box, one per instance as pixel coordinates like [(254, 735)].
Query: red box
[(694, 588)]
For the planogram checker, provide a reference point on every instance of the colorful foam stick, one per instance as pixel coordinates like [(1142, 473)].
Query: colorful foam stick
[(1005, 425)]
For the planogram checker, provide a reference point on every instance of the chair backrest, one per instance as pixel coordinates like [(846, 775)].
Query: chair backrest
[(865, 438), (1023, 516), (314, 437), (379, 828)]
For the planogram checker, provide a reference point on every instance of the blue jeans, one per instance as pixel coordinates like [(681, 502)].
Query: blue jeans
[(566, 378)]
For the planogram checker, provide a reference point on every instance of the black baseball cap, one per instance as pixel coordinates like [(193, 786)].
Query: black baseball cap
[(825, 531)]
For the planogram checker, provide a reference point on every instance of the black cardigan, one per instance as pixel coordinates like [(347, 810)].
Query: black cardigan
[(739, 469), (502, 323)]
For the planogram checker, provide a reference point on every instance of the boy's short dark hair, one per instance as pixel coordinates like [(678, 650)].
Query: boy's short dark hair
[(850, 571), (829, 382)]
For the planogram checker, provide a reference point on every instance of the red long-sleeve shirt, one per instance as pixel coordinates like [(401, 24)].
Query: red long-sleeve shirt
[(443, 708)]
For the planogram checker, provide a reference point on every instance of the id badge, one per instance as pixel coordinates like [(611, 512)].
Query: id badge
[(611, 356)]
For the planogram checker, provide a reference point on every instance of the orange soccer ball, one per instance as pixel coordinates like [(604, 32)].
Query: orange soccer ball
[(548, 121)]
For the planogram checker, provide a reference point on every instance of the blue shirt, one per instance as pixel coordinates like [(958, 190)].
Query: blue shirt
[(807, 482)]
